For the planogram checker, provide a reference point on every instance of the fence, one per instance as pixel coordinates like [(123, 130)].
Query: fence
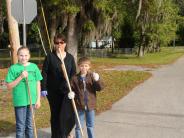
[(105, 52), (5, 60), (5, 56)]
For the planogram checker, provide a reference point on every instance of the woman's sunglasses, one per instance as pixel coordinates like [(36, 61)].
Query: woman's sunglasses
[(59, 42)]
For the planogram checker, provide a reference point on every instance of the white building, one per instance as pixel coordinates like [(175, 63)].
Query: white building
[(106, 42)]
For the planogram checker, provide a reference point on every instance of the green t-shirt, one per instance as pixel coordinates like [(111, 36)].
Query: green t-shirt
[(20, 91)]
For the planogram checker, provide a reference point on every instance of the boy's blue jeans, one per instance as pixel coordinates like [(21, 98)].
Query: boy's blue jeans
[(23, 118), (90, 119)]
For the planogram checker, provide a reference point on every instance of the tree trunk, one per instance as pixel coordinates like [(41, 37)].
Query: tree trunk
[(72, 41), (1, 18), (1, 23), (82, 48), (64, 21), (112, 46), (13, 33), (157, 48), (97, 46), (140, 51), (139, 9), (141, 45), (53, 28)]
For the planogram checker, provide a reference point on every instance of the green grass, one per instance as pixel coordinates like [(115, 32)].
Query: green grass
[(166, 56), (117, 85)]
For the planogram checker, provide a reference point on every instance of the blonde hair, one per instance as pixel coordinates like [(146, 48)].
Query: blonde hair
[(22, 48), (84, 60)]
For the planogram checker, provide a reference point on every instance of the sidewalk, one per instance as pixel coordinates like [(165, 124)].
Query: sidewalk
[(154, 109)]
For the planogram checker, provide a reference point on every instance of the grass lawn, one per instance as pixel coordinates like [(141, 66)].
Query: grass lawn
[(166, 56), (117, 85)]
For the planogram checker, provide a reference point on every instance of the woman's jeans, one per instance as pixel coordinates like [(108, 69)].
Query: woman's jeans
[(23, 118), (90, 117)]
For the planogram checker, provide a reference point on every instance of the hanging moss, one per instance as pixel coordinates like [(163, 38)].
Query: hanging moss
[(55, 2), (88, 26), (72, 9)]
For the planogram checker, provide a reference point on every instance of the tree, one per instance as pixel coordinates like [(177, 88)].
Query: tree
[(89, 20), (83, 20), (155, 24), (180, 22)]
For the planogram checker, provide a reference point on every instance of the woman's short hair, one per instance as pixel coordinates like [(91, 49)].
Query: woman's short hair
[(59, 36)]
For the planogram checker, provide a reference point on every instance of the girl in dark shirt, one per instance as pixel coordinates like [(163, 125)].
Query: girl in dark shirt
[(54, 84)]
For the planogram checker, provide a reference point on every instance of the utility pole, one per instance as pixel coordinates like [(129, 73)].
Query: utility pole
[(13, 33)]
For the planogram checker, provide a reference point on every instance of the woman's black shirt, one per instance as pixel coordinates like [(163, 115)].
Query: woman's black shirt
[(53, 76)]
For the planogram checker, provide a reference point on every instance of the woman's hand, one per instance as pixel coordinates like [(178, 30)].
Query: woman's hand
[(44, 93), (71, 95)]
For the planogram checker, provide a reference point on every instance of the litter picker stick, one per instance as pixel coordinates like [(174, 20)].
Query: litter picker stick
[(31, 108), (43, 14), (41, 40), (73, 102)]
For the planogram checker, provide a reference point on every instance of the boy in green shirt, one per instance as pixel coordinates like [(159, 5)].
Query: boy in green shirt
[(21, 76)]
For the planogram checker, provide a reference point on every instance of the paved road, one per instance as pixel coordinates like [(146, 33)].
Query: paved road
[(154, 109)]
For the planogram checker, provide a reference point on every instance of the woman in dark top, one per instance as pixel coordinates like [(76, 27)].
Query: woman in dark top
[(55, 85)]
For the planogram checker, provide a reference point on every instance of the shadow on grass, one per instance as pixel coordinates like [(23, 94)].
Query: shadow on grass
[(6, 128)]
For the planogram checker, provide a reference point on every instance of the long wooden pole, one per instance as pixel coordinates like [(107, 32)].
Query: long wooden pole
[(73, 102), (43, 14), (31, 108), (41, 41)]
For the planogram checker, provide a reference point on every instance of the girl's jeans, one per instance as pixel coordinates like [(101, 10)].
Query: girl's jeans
[(90, 117), (23, 122)]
